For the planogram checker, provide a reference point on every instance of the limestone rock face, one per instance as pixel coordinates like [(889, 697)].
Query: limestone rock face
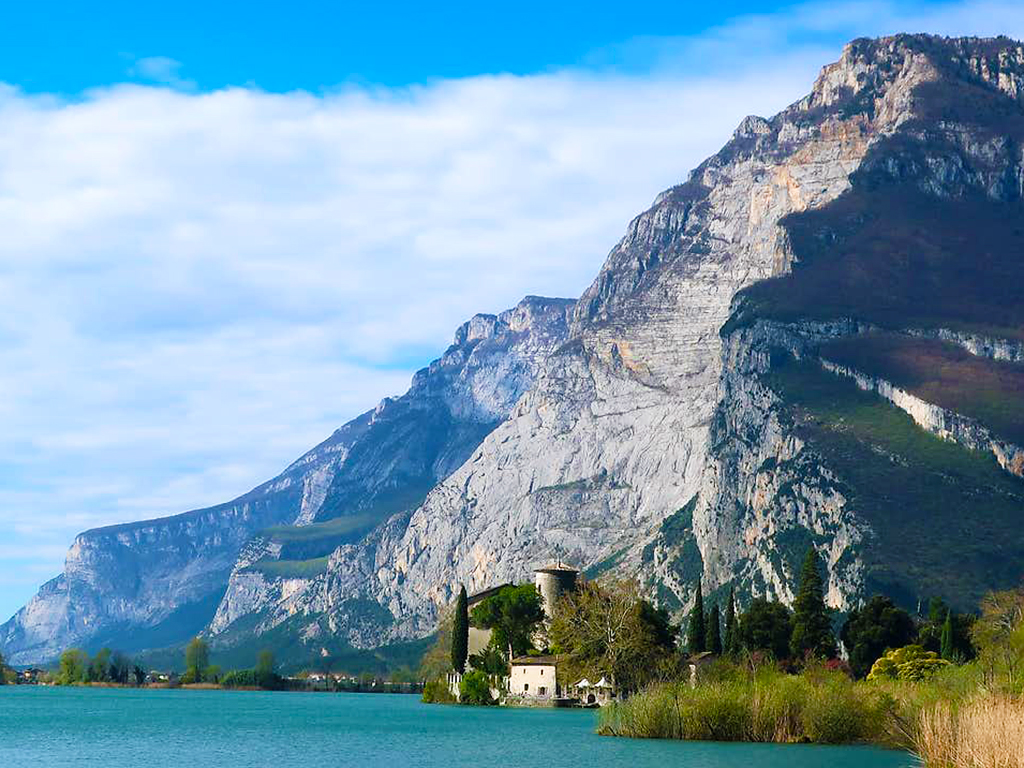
[(630, 420), (652, 429), (151, 583)]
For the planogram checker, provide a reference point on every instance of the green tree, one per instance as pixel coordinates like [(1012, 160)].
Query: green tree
[(912, 662), (732, 634), (947, 649), (607, 630), (933, 632), (74, 666), (512, 614), (812, 628), (766, 626), (696, 635), (265, 669), (873, 629), (713, 641), (475, 689), (99, 669), (120, 668), (999, 635), (460, 632), (197, 659), (490, 661), (3, 668), (139, 674)]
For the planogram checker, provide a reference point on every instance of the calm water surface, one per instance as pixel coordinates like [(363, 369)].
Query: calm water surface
[(46, 727)]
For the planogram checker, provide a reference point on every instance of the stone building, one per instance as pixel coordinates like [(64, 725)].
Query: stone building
[(534, 677)]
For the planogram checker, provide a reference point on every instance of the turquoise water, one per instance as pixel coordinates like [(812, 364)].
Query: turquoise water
[(44, 727)]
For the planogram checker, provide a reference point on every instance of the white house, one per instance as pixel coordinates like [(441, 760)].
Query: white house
[(533, 677)]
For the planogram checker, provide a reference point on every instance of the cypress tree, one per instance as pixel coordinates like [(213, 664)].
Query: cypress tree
[(697, 634), (713, 638), (732, 634), (947, 645), (812, 629), (460, 632)]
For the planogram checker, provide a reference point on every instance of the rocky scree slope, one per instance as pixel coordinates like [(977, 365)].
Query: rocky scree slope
[(157, 582)]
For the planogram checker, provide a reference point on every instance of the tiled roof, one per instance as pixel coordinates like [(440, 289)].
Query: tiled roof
[(534, 661)]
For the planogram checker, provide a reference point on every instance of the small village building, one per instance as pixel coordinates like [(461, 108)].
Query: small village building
[(534, 677)]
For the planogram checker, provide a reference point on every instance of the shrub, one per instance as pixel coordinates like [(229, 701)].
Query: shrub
[(475, 688), (912, 662), (436, 692)]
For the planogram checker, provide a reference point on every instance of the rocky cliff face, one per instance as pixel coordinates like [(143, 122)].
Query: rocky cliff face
[(683, 419), (650, 443), (156, 582)]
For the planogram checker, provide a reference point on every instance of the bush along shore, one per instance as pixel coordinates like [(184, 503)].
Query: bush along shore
[(949, 687), (109, 669)]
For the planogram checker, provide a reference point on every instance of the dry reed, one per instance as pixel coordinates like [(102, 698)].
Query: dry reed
[(986, 732)]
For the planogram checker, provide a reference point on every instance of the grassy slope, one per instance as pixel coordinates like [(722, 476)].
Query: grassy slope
[(898, 258), (942, 373), (935, 508), (290, 569)]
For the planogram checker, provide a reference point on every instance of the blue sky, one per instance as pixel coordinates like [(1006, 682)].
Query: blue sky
[(313, 45), (230, 227)]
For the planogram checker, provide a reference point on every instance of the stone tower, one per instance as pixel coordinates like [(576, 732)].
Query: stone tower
[(552, 582)]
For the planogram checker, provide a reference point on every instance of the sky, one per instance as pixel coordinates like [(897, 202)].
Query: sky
[(228, 228)]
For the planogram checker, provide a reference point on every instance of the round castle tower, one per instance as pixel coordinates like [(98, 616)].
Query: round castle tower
[(552, 582)]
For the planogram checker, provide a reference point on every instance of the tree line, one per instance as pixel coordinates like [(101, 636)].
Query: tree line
[(106, 666), (608, 629), (76, 667), (806, 631)]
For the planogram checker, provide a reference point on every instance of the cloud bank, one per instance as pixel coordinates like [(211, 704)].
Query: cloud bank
[(195, 287)]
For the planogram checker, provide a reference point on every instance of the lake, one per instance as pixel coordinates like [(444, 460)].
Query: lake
[(44, 727)]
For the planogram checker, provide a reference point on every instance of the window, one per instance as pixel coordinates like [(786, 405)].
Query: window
[(541, 691), (526, 687)]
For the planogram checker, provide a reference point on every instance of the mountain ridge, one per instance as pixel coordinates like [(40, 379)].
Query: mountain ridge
[(679, 422)]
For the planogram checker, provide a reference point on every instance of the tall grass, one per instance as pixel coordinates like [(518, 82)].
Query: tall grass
[(768, 706), (986, 732)]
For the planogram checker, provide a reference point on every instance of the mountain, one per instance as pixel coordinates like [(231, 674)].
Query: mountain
[(818, 338), (157, 582)]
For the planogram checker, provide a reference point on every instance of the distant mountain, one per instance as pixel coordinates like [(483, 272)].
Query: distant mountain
[(158, 582), (817, 339)]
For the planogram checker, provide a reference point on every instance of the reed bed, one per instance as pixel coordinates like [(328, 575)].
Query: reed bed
[(986, 732), (766, 707)]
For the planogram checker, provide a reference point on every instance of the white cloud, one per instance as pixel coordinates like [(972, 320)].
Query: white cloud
[(160, 69), (196, 287)]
